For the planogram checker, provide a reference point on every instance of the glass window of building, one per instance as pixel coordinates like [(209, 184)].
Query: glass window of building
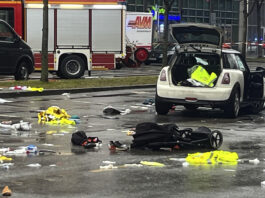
[(185, 4), (206, 13), (139, 2), (192, 12), (228, 4), (139, 8), (200, 4), (206, 5), (215, 4), (222, 5), (199, 13), (192, 3)]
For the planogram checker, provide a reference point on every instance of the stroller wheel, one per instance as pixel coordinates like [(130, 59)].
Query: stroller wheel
[(215, 139)]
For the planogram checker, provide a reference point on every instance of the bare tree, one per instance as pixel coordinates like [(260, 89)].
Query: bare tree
[(44, 50), (167, 5), (259, 4)]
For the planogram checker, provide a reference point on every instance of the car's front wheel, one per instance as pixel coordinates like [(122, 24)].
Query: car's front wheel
[(233, 106), (162, 108)]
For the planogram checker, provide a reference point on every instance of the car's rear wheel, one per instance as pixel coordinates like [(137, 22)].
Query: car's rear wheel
[(22, 72), (162, 108), (233, 106), (191, 107)]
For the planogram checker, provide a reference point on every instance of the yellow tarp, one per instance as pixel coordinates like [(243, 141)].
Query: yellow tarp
[(55, 116), (201, 75), (213, 157)]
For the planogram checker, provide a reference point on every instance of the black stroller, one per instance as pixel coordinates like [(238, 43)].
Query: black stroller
[(154, 136)]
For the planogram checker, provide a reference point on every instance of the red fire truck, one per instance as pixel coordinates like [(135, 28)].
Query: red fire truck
[(83, 34)]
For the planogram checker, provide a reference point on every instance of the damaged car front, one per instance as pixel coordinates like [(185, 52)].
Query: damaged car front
[(201, 73)]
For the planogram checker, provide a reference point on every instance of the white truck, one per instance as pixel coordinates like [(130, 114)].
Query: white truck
[(82, 35), (139, 33)]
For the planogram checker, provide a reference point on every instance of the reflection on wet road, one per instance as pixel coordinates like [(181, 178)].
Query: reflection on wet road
[(74, 171)]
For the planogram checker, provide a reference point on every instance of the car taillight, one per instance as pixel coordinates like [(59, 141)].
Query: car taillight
[(163, 76), (226, 79)]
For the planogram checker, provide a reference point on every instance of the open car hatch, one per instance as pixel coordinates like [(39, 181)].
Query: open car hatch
[(201, 35)]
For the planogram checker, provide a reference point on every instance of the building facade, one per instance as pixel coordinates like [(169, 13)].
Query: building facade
[(222, 13)]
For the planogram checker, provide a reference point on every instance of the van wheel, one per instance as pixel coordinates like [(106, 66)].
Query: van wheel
[(72, 67), (233, 106), (162, 108), (22, 72)]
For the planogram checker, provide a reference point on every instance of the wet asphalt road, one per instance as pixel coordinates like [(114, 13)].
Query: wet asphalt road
[(75, 171)]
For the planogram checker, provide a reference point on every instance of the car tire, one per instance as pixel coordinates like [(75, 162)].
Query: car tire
[(72, 66), (162, 108), (191, 107), (22, 72), (141, 55), (233, 106)]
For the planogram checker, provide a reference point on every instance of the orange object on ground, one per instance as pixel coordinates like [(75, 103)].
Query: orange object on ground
[(6, 191)]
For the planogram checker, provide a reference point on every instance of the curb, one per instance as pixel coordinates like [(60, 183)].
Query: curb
[(19, 93)]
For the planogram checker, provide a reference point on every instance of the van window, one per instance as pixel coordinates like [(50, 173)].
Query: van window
[(7, 14), (6, 33)]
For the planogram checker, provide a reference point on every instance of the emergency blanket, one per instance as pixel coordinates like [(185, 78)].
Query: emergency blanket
[(213, 157), (201, 75), (55, 116)]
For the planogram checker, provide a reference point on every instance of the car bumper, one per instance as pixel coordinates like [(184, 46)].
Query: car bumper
[(193, 95)]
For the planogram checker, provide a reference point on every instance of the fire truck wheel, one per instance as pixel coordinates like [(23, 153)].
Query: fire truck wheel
[(22, 72), (72, 67), (141, 55)]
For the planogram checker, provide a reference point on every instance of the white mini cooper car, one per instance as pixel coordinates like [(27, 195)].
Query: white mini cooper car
[(234, 86)]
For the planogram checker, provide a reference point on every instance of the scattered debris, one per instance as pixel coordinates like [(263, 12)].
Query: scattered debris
[(117, 146), (36, 165), (108, 162), (4, 158), (133, 165), (110, 111), (6, 191), (149, 101), (4, 101), (110, 166), (147, 163), (20, 126), (55, 115), (66, 94), (25, 88), (80, 138), (31, 149)]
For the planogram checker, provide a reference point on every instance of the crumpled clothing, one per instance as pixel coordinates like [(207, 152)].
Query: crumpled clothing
[(40, 89), (213, 157), (55, 116)]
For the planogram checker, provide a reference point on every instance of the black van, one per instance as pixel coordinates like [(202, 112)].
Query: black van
[(16, 57)]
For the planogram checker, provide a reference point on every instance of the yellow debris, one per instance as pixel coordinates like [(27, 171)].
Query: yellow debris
[(152, 163), (4, 158), (213, 157), (35, 89), (55, 116)]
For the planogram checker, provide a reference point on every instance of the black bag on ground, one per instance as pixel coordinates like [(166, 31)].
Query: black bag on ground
[(78, 138), (148, 133)]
